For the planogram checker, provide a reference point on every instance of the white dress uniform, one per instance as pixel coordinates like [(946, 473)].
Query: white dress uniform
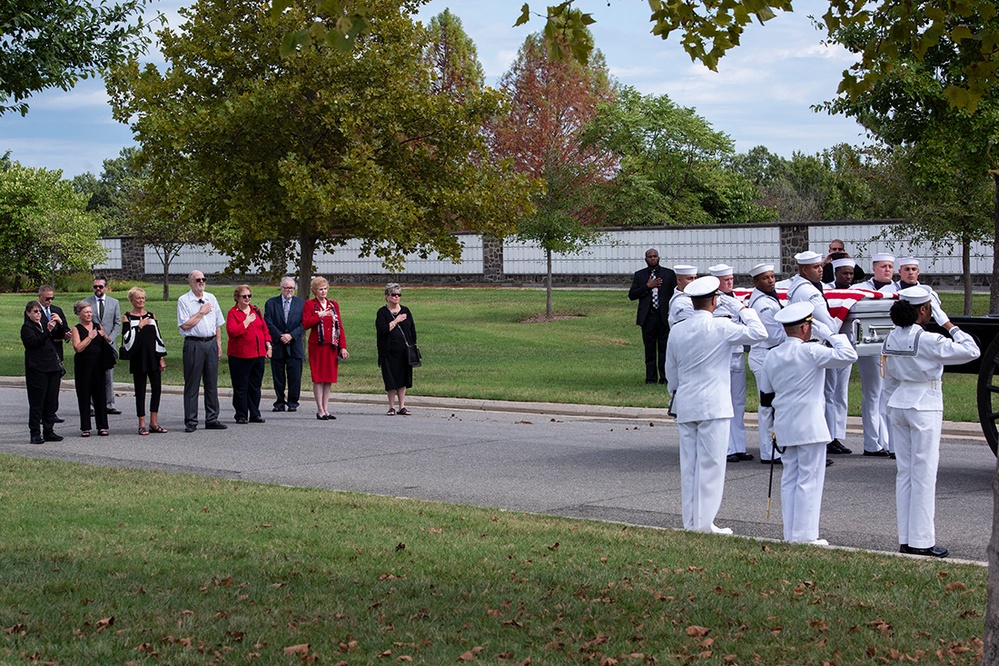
[(914, 361), (765, 306), (794, 371), (680, 308), (729, 306), (874, 419), (697, 368), (838, 392)]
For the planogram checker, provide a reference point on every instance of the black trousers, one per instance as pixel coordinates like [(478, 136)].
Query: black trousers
[(43, 400), (247, 375), (201, 366), (655, 334), (155, 385), (287, 373)]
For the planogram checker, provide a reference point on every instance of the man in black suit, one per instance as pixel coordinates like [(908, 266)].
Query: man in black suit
[(59, 333), (653, 287), (283, 315)]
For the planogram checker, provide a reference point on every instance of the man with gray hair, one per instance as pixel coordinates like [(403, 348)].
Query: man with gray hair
[(283, 315), (200, 320)]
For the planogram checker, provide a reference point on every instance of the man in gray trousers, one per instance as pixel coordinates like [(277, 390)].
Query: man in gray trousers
[(107, 313), (201, 320)]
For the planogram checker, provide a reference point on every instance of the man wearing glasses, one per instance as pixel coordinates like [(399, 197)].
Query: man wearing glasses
[(283, 315), (201, 320), (59, 333), (107, 313)]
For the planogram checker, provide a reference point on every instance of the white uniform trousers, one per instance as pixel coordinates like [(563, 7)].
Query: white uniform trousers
[(875, 422), (917, 454), (801, 487), (837, 401), (764, 415), (702, 471), (737, 430)]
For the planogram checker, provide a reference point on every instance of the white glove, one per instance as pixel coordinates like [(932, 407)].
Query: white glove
[(939, 316), (820, 331)]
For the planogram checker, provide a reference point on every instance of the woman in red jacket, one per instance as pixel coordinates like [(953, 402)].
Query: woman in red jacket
[(327, 344), (249, 345)]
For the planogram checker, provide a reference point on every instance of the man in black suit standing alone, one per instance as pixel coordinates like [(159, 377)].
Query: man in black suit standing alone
[(283, 315), (653, 287)]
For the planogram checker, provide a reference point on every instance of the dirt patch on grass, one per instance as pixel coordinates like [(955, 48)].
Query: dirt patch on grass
[(540, 319)]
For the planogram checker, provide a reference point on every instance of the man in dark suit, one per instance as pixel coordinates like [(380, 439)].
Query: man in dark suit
[(653, 287), (59, 333), (107, 313), (283, 315)]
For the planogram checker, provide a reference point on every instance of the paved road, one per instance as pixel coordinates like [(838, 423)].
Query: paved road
[(588, 462)]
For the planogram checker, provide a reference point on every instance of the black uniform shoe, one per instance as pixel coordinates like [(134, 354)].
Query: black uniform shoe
[(190, 428), (279, 408), (836, 447), (215, 425), (776, 461), (877, 454), (52, 437), (733, 458), (293, 409), (37, 439), (935, 551), (257, 419), (828, 462), (239, 419), (57, 419), (891, 455), (113, 410), (745, 456)]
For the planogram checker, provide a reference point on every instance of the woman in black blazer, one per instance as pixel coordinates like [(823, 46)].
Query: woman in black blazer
[(42, 373)]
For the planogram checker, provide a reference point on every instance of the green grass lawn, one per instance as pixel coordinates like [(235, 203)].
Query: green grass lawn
[(117, 566), (476, 344)]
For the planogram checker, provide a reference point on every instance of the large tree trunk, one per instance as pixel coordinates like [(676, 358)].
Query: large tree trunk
[(549, 310), (994, 286), (966, 273), (307, 250)]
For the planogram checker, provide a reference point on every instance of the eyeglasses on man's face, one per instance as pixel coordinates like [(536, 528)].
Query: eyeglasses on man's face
[(201, 279), (45, 299), (99, 286)]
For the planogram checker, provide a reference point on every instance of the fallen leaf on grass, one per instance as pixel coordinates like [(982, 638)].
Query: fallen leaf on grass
[(956, 585), (695, 631), (104, 623), (302, 649)]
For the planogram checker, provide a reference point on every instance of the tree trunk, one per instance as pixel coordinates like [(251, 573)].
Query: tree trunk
[(994, 286), (166, 275), (990, 650), (307, 247), (549, 310), (966, 273)]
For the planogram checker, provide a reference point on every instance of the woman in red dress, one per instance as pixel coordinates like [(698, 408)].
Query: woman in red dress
[(327, 344)]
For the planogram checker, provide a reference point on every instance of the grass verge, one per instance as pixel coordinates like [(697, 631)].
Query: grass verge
[(134, 567)]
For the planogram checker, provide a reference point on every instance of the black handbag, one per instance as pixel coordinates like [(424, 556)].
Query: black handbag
[(414, 357), (123, 353)]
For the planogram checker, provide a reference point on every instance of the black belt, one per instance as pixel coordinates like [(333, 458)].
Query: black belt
[(210, 338)]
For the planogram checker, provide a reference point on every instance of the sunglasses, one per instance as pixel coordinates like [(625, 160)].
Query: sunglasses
[(246, 295), (99, 286), (200, 280), (396, 295), (45, 299), (34, 311)]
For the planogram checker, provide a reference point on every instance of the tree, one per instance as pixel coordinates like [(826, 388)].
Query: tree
[(108, 195), (453, 57), (274, 158), (673, 165), (44, 226), (55, 43), (551, 102)]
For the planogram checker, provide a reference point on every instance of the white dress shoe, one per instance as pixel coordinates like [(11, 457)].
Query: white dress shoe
[(720, 530)]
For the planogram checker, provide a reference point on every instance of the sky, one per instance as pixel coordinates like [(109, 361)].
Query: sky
[(761, 94)]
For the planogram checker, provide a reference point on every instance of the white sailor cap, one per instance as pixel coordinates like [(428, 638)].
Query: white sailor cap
[(915, 295), (883, 256), (809, 257), (721, 270), (795, 313), (908, 261), (702, 286), (840, 263), (760, 268), (683, 269)]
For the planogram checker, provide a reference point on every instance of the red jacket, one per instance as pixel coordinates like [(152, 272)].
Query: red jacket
[(310, 320), (246, 342)]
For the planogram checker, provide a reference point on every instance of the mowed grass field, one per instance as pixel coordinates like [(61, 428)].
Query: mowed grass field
[(477, 343)]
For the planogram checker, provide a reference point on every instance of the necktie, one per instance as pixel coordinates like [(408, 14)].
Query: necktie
[(655, 292), (287, 308), (100, 309), (48, 314)]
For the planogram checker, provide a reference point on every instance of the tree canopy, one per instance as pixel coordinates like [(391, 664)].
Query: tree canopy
[(278, 157), (55, 43)]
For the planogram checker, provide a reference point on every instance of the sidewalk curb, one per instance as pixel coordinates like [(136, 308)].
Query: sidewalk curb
[(964, 430)]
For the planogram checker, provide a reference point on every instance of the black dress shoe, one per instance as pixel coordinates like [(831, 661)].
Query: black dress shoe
[(257, 419), (37, 439), (745, 456), (57, 419), (215, 425), (732, 458), (293, 409), (278, 408), (836, 447), (877, 454), (649, 381), (935, 551), (52, 437), (321, 417), (330, 417), (776, 461), (112, 410), (891, 454), (190, 428), (239, 419), (828, 462)]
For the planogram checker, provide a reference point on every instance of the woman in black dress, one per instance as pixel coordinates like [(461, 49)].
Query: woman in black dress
[(396, 331), (42, 372), (88, 370), (146, 353)]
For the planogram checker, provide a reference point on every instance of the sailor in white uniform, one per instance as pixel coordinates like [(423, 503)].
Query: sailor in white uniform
[(914, 361), (794, 372), (876, 439), (838, 379), (697, 371), (908, 273), (730, 306), (679, 304), (765, 301)]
